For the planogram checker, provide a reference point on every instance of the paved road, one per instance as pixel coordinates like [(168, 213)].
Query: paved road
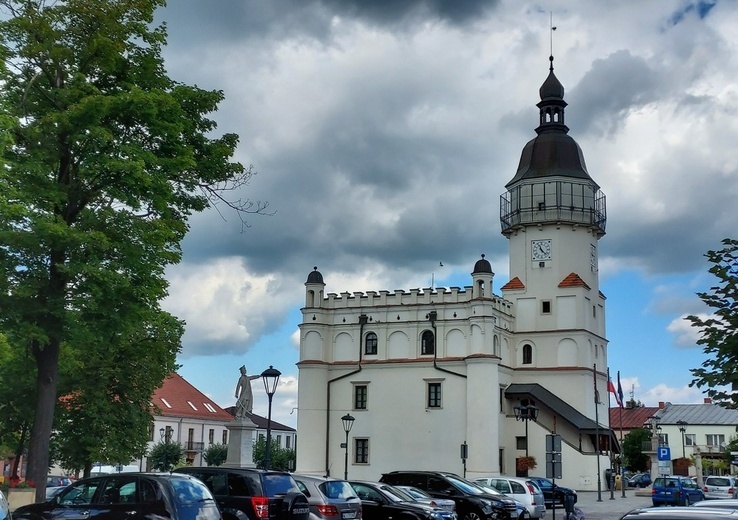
[(607, 508)]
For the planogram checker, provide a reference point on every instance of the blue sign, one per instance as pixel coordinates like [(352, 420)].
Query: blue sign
[(664, 453)]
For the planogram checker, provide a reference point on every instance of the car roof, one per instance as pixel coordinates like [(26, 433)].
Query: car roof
[(682, 512)]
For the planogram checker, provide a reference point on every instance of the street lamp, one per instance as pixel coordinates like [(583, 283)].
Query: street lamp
[(348, 422), (165, 440), (683, 428), (526, 413), (271, 379)]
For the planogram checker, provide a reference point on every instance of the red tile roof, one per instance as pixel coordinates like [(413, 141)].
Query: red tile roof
[(631, 417), (178, 398), (573, 280), (515, 283)]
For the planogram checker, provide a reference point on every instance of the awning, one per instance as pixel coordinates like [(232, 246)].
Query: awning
[(564, 411)]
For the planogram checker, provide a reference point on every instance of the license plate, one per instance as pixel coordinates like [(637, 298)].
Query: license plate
[(348, 515)]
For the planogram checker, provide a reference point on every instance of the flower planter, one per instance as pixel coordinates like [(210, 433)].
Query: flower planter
[(21, 497)]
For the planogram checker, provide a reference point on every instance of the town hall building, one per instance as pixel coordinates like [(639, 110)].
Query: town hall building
[(424, 372)]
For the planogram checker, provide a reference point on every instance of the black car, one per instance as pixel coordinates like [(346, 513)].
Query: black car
[(385, 502), (640, 480), (472, 503), (553, 494), (253, 494), (128, 495)]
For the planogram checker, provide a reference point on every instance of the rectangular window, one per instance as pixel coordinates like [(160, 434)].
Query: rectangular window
[(361, 451), (690, 439), (520, 443), (546, 307), (288, 442), (225, 436), (279, 441), (715, 439), (211, 436), (663, 439), (434, 395), (360, 397), (190, 435), (151, 431)]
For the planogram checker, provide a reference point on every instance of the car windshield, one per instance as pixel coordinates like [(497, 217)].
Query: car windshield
[(396, 495), (415, 492), (337, 489), (488, 489), (465, 486), (278, 484)]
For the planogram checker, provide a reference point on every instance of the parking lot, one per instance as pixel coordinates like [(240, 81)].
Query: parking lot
[(607, 509)]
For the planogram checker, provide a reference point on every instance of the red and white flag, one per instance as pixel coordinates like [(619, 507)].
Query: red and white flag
[(611, 388)]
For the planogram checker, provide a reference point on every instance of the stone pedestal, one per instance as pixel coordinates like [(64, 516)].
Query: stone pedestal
[(21, 497), (240, 443)]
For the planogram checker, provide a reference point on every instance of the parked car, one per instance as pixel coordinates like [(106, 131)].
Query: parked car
[(521, 489), (252, 494), (640, 480), (422, 496), (329, 498), (4, 507), (384, 502), (719, 487), (130, 495), (681, 513), (726, 503), (553, 493), (521, 512), (57, 481), (675, 491), (471, 502)]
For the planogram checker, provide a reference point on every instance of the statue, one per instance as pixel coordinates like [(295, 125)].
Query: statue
[(245, 402)]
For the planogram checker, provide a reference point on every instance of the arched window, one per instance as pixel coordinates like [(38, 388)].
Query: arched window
[(370, 344), (427, 343), (527, 354)]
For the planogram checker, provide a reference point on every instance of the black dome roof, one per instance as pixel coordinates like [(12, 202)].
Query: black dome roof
[(482, 266), (315, 276), (551, 154), (551, 88)]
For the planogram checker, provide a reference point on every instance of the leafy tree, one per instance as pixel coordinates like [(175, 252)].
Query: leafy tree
[(166, 455), (215, 454), (280, 458), (719, 336), (107, 158), (634, 458)]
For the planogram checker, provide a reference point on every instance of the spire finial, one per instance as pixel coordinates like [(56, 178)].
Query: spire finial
[(551, 41)]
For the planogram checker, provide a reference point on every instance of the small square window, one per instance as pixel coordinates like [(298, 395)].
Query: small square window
[(521, 443), (434, 395), (361, 451), (546, 307), (541, 206), (360, 397)]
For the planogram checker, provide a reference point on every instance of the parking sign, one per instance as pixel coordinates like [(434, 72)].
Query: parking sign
[(663, 453)]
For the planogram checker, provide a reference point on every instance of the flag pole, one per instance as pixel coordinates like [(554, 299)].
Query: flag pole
[(611, 483), (597, 439), (622, 455)]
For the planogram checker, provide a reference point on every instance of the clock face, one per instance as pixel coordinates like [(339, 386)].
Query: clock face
[(541, 249)]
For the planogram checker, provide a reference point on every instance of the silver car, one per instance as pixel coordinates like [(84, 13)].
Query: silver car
[(523, 490), (421, 496), (329, 498), (719, 487), (4, 507)]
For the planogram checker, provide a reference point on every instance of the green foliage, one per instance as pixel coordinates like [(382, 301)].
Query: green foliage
[(279, 458), (215, 454), (166, 455), (103, 159), (719, 372), (634, 458)]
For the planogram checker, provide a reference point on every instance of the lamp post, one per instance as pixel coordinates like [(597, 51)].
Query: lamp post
[(528, 412), (348, 422), (271, 379), (683, 428), (165, 440)]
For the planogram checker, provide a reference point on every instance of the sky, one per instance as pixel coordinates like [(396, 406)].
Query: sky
[(382, 134)]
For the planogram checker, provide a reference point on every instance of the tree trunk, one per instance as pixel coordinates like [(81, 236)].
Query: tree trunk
[(47, 362)]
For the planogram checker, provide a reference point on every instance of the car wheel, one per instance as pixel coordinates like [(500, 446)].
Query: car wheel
[(472, 515), (686, 500)]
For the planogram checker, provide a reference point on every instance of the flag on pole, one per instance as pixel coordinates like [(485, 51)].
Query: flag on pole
[(611, 388), (620, 390)]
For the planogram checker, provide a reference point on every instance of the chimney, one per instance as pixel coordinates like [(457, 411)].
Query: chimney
[(708, 400), (661, 405)]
